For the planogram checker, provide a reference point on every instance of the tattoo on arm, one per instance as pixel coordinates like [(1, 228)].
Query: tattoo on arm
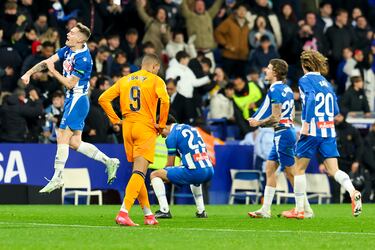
[(274, 118), (39, 67)]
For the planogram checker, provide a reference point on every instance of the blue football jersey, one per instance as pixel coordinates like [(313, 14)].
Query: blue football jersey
[(79, 64), (319, 104), (185, 141), (279, 93)]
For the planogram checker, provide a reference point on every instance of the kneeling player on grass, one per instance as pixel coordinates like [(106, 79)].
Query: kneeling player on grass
[(277, 111), (185, 141)]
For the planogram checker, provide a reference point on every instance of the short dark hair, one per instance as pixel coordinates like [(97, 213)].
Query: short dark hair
[(148, 45), (324, 3), (341, 11), (280, 67), (181, 55), (355, 79), (132, 31), (84, 30), (265, 38), (57, 93), (47, 44)]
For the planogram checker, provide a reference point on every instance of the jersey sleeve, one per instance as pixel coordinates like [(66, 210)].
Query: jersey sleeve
[(81, 66), (275, 96), (60, 53), (309, 93), (171, 143), (161, 92), (105, 102)]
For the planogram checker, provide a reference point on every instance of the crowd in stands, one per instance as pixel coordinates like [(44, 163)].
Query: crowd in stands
[(213, 55)]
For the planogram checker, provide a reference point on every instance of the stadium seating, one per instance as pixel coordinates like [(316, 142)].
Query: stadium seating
[(245, 184), (77, 182), (317, 186)]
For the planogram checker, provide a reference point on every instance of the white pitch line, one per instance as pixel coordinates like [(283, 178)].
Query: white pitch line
[(188, 229)]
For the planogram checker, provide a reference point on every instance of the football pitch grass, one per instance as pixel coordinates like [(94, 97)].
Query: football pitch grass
[(227, 227)]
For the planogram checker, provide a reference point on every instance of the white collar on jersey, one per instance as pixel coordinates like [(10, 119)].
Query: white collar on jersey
[(81, 50), (312, 73), (275, 83)]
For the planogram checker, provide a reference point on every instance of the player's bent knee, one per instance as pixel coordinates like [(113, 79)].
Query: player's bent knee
[(75, 142)]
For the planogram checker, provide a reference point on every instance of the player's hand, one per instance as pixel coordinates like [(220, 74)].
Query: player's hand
[(25, 79), (117, 127), (158, 129), (322, 169), (305, 129), (253, 122)]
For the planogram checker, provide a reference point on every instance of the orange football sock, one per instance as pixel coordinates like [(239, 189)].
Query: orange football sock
[(143, 200), (135, 184)]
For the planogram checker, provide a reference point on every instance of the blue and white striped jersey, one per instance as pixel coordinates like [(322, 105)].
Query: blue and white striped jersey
[(279, 93), (187, 142), (319, 104), (79, 64)]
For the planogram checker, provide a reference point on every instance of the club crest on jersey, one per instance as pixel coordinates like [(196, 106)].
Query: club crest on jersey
[(68, 66)]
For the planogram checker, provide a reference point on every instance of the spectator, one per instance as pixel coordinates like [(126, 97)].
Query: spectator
[(199, 23), (173, 12), (51, 35), (289, 29), (25, 43), (341, 75), (232, 35), (14, 114), (339, 36), (119, 61), (221, 105), (131, 46), (113, 41), (310, 20), (354, 99), (185, 86), (9, 20), (259, 31), (350, 147), (41, 24), (101, 61), (356, 12), (178, 44), (261, 8), (364, 35), (148, 48), (157, 28), (34, 124), (325, 18), (260, 57), (53, 114), (306, 39), (48, 49), (10, 63), (357, 66)]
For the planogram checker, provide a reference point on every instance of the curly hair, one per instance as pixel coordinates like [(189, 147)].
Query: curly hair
[(280, 67), (313, 61)]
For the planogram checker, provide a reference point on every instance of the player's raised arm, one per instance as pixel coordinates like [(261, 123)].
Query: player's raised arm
[(162, 93), (105, 102), (37, 68)]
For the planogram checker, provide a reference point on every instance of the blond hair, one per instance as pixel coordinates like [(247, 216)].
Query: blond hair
[(84, 30), (313, 61), (150, 59)]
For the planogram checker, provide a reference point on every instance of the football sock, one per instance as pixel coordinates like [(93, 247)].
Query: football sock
[(269, 193), (143, 200), (133, 188), (92, 151), (344, 180), (300, 190), (159, 189), (198, 197), (62, 154), (307, 204)]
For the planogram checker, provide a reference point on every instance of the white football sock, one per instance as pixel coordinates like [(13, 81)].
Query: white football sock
[(62, 154), (344, 180), (307, 204), (300, 191), (147, 211), (92, 151), (159, 189), (123, 208), (269, 193), (198, 197)]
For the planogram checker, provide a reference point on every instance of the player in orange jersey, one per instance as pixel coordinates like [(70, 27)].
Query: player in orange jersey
[(139, 94)]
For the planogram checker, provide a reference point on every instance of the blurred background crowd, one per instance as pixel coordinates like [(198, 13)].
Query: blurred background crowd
[(213, 55)]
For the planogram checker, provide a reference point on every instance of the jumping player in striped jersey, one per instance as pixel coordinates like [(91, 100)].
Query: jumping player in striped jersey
[(277, 111), (184, 141), (319, 106), (77, 64)]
